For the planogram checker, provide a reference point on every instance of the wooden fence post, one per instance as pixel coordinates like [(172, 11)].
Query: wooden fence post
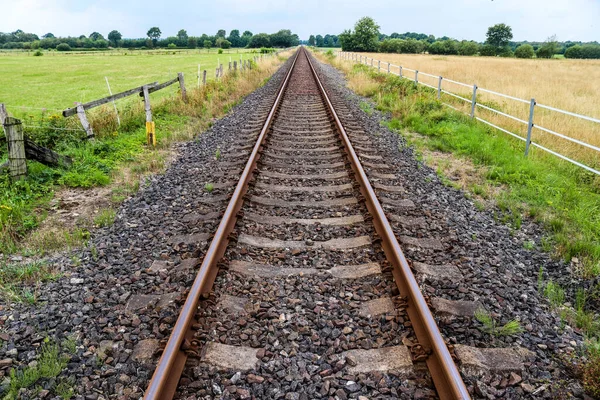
[(204, 78), (229, 65), (16, 148), (235, 66), (84, 122), (150, 126), (3, 113), (182, 86)]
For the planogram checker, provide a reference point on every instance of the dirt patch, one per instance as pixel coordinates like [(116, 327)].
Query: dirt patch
[(74, 211)]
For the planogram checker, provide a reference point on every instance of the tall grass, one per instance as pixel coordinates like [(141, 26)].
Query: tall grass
[(571, 85)]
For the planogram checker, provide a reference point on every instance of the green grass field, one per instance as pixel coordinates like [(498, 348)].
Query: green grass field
[(56, 80)]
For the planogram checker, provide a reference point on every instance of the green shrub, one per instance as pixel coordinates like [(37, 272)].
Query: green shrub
[(172, 46), (488, 50), (524, 51), (63, 47), (220, 51), (38, 53), (505, 52)]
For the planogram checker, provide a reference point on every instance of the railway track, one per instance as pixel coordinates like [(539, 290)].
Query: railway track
[(314, 286)]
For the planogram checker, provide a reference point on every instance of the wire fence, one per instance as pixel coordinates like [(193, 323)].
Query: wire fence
[(473, 102)]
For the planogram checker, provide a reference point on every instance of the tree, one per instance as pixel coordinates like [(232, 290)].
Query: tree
[(234, 38), (154, 34), (114, 37), (319, 41), (549, 48), (192, 42), (499, 35), (366, 34), (96, 36), (48, 36), (283, 38), (207, 44), (221, 33), (260, 40), (182, 38), (311, 40), (224, 44), (245, 39), (524, 51)]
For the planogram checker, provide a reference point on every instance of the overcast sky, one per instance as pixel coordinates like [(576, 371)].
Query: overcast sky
[(532, 20)]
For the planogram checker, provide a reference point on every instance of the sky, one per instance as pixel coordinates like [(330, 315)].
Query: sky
[(533, 20)]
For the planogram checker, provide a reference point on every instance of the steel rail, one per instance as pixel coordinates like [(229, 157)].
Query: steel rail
[(445, 374), (168, 371)]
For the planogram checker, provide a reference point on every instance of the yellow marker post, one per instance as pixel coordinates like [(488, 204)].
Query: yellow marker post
[(151, 133)]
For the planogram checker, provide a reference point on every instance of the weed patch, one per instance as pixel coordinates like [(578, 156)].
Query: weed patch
[(511, 328), (52, 359)]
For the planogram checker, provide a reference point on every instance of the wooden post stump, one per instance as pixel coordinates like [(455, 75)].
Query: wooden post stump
[(235, 66), (17, 161), (182, 86), (204, 77)]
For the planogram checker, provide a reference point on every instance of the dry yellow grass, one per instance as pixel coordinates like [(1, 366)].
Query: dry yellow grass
[(571, 85)]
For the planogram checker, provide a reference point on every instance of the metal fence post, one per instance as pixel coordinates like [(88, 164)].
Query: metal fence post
[(417, 76), (379, 65), (388, 68), (400, 73), (529, 126), (371, 62), (440, 87), (473, 101)]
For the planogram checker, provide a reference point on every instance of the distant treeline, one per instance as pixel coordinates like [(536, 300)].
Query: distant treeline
[(366, 37), (96, 41)]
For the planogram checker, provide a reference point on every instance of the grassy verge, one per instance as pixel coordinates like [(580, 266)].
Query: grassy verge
[(562, 198), (117, 159)]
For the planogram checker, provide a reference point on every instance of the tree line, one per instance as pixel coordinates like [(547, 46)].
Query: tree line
[(153, 39), (366, 37)]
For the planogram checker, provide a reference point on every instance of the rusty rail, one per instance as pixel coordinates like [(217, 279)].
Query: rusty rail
[(168, 371), (447, 379)]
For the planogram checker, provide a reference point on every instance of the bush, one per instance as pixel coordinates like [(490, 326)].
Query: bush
[(466, 48), (63, 47), (267, 50), (172, 46), (38, 53), (505, 52), (589, 51), (220, 51), (574, 52), (524, 51), (488, 50)]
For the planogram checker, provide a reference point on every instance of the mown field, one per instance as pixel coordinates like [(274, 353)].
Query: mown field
[(56, 80), (571, 85)]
